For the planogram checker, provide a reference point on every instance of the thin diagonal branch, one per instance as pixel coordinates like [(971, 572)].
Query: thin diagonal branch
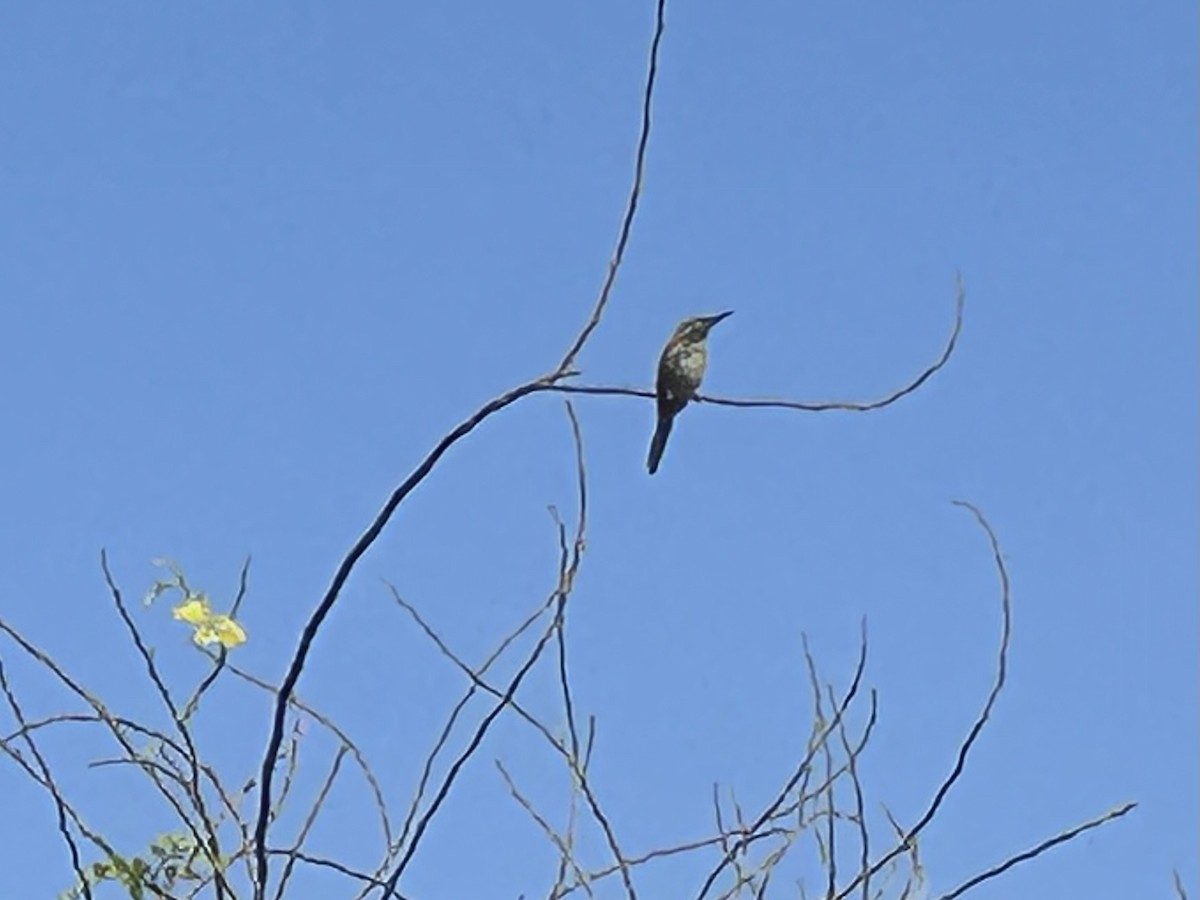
[(1179, 886), (801, 769), (564, 850), (311, 818), (472, 746), (309, 635), (635, 193), (47, 780), (1041, 848)]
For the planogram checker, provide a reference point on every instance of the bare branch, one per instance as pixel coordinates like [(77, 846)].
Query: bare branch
[(369, 880), (311, 818), (635, 193), (568, 567), (47, 780), (472, 746), (860, 816), (567, 585), (980, 722), (831, 812), (560, 619), (291, 753), (1041, 848), (313, 626), (113, 726), (192, 785), (243, 580), (564, 850), (801, 769), (477, 683), (333, 728)]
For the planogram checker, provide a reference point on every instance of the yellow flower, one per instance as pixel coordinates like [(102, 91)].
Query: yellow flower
[(210, 627), (220, 629), (194, 610)]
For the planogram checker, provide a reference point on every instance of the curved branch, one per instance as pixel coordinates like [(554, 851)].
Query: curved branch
[(635, 193), (982, 719), (309, 634), (804, 405)]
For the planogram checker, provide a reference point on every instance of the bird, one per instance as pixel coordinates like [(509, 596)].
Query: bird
[(680, 371)]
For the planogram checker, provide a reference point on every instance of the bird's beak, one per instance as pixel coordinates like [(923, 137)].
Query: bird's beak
[(713, 320)]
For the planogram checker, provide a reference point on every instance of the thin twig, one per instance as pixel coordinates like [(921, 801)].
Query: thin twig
[(334, 729), (564, 849), (102, 713), (452, 774), (911, 848), (801, 768), (311, 818), (243, 579), (222, 654), (456, 711), (291, 753), (635, 193), (47, 780), (560, 618), (369, 880), (984, 715), (212, 846), (831, 812), (1041, 848), (569, 562), (150, 733), (560, 625), (860, 816), (688, 847)]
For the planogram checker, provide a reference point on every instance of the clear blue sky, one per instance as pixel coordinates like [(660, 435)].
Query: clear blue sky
[(256, 261)]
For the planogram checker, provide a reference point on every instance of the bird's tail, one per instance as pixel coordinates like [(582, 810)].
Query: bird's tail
[(658, 443)]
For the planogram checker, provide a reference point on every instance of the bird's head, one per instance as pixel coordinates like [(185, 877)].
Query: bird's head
[(698, 327)]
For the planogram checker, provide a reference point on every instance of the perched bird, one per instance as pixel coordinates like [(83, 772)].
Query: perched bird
[(680, 371)]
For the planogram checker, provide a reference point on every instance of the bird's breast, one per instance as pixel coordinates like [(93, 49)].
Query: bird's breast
[(692, 361)]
